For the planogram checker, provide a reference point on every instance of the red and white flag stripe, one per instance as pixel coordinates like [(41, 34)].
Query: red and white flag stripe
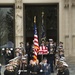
[(36, 46), (43, 50)]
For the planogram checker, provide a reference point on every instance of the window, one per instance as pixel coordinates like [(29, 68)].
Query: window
[(6, 27)]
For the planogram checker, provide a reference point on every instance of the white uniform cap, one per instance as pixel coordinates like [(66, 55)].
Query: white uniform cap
[(8, 65), (23, 58), (11, 60), (60, 47), (62, 59), (51, 44), (65, 64), (50, 39)]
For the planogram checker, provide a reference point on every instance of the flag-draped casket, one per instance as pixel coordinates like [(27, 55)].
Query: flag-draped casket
[(43, 50)]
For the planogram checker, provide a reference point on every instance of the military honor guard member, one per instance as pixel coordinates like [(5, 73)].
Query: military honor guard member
[(22, 70), (51, 55), (45, 68), (34, 68), (63, 68)]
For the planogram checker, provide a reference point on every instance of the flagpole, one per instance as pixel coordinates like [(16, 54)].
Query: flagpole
[(42, 24), (34, 19), (42, 17), (35, 57), (43, 34)]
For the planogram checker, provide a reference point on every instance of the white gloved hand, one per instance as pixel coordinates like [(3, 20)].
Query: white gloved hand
[(19, 71)]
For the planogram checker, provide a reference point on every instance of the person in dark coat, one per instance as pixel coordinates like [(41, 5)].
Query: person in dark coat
[(34, 68), (15, 63), (23, 67), (9, 70), (51, 55), (45, 67), (8, 56), (28, 49), (63, 69)]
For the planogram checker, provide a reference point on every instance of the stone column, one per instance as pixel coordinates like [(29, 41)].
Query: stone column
[(73, 27), (70, 28), (18, 22), (66, 27)]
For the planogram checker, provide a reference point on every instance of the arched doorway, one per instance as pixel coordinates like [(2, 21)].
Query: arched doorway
[(51, 21)]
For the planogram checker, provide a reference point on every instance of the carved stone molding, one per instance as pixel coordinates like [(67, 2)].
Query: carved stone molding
[(66, 3), (18, 4), (73, 35), (18, 22), (73, 3), (66, 36)]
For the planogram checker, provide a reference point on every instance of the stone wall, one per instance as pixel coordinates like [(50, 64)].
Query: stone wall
[(18, 22), (69, 28), (66, 21)]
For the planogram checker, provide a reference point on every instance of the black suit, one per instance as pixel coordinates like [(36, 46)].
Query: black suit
[(6, 72), (23, 69), (51, 57), (34, 69), (64, 72)]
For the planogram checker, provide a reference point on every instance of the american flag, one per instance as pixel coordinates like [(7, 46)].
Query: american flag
[(36, 43), (43, 50)]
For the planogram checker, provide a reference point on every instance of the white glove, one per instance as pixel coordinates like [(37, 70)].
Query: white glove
[(19, 71)]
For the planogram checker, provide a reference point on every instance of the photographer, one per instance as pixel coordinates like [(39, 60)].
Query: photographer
[(8, 56)]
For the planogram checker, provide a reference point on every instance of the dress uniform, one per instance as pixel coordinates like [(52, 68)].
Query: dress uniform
[(23, 67), (34, 68), (63, 68), (61, 53), (51, 55), (63, 72), (45, 68)]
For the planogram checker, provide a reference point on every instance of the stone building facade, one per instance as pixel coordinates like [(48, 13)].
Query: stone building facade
[(66, 21)]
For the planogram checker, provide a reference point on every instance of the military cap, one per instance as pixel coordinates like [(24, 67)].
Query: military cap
[(23, 58), (16, 58), (62, 59), (8, 65), (65, 64), (50, 39), (11, 60), (60, 47)]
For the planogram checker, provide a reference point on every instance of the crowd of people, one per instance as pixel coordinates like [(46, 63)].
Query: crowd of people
[(22, 62)]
